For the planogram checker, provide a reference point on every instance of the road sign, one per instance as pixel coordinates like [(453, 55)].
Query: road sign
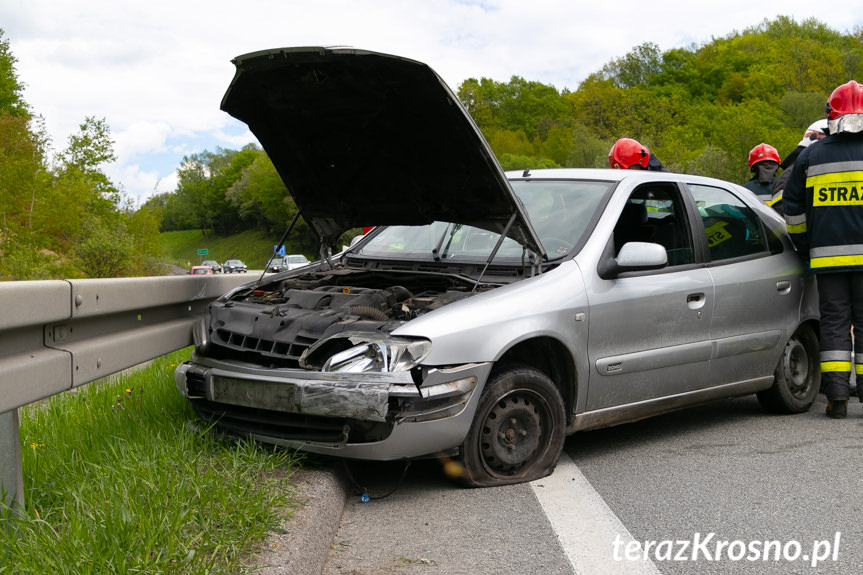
[(279, 251), (202, 252)]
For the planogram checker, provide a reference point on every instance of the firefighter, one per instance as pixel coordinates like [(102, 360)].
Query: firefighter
[(763, 163), (629, 154), (813, 133), (823, 203)]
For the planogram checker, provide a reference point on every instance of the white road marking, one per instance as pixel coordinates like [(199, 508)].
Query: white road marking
[(584, 524)]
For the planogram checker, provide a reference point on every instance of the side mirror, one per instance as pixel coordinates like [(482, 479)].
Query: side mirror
[(633, 256)]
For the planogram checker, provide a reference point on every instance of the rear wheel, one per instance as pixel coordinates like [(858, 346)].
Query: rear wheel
[(797, 377), (518, 431)]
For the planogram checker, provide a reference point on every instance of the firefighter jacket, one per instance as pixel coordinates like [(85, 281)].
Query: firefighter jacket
[(763, 190), (823, 203)]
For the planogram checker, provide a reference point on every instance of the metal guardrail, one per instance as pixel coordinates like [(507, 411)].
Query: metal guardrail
[(60, 334)]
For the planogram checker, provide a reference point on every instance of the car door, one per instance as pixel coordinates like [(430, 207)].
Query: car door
[(649, 331), (757, 287)]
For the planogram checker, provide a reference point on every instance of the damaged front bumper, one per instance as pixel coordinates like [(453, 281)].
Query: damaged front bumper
[(374, 416)]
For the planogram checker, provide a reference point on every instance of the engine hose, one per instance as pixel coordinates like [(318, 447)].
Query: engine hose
[(367, 311)]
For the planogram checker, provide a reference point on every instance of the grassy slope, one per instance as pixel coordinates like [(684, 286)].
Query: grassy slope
[(251, 246), (116, 481)]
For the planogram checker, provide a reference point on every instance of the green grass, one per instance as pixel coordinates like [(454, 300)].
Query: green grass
[(251, 246), (116, 481)]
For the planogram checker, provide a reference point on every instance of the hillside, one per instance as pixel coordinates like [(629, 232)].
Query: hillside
[(251, 246)]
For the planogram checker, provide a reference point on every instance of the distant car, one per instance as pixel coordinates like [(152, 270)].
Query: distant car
[(288, 263), (212, 264), (201, 270), (231, 266), (490, 314)]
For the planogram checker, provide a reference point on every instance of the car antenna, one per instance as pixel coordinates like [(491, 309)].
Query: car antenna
[(495, 249), (281, 243)]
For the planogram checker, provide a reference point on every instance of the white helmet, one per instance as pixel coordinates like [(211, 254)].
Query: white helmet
[(815, 131)]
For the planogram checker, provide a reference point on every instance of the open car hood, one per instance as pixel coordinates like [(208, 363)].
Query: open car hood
[(368, 139)]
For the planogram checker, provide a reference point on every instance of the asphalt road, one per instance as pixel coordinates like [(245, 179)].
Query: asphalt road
[(758, 483)]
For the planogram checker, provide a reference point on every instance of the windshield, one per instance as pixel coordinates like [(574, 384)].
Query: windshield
[(559, 211)]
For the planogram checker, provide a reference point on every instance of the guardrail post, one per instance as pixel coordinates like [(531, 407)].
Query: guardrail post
[(11, 476)]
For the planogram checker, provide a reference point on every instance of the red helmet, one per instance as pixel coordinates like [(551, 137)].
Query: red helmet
[(763, 153), (627, 152), (846, 100)]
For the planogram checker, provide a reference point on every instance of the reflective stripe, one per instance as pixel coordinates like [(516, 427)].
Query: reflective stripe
[(836, 256), (836, 189), (836, 262), (858, 358), (849, 166), (776, 198), (827, 366), (832, 355), (834, 177), (844, 250), (798, 229), (858, 369), (797, 219)]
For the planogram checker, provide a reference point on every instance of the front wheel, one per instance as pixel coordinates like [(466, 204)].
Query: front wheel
[(517, 433), (797, 377)]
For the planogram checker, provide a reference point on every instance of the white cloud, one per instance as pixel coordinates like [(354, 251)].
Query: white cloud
[(156, 71)]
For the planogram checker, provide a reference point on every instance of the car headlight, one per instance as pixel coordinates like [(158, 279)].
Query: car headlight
[(377, 354)]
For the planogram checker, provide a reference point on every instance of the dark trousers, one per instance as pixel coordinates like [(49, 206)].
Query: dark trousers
[(840, 302)]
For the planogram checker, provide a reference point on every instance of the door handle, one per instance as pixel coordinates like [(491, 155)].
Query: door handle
[(695, 300), (783, 286)]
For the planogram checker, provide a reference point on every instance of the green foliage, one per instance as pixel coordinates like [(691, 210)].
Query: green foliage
[(699, 109), (254, 247), (260, 195), (105, 249), (532, 108), (636, 68), (201, 200), (62, 217), (516, 162), (800, 109), (11, 101)]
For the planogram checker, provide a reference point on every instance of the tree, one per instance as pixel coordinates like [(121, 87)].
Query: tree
[(105, 249), (260, 195), (11, 101), (638, 67)]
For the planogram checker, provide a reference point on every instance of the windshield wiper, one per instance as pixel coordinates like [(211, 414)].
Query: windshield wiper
[(436, 249)]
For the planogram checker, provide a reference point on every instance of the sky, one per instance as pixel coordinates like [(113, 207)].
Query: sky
[(156, 70)]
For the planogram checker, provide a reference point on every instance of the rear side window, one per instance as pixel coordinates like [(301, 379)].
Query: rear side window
[(733, 230)]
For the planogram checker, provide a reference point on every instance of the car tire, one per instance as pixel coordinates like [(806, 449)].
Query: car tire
[(517, 432), (797, 377)]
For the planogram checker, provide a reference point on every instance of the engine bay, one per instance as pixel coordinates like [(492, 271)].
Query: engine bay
[(273, 322)]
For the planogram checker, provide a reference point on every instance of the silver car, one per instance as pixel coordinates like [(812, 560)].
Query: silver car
[(487, 315)]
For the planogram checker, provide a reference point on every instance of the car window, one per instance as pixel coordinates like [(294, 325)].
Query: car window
[(655, 213), (559, 210), (732, 228)]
